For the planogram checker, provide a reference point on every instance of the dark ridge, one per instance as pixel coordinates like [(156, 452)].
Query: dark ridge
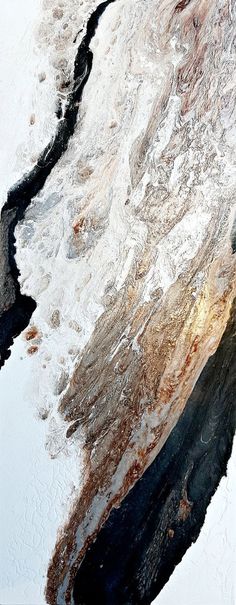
[(58, 111), (16, 309), (233, 236), (139, 546)]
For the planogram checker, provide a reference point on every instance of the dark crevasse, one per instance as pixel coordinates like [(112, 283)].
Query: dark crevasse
[(16, 309), (138, 548)]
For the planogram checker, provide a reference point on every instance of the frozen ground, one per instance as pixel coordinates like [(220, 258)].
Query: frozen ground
[(21, 93), (31, 487), (30, 508)]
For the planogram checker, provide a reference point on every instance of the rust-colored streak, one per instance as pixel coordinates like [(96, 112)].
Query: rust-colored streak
[(31, 333), (189, 78), (185, 508), (32, 350), (78, 225), (182, 5)]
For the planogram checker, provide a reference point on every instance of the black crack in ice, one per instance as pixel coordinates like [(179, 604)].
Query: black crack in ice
[(233, 235), (139, 546), (16, 309)]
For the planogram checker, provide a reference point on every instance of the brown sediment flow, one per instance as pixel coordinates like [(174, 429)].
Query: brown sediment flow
[(113, 398), (145, 355)]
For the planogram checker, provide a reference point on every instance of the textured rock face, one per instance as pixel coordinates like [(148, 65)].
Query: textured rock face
[(127, 247), (138, 547)]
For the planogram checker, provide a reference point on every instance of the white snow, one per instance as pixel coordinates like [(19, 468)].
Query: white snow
[(176, 250), (21, 93), (32, 488), (36, 491)]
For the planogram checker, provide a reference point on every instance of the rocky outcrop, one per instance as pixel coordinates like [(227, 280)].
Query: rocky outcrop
[(142, 541), (124, 242), (16, 309)]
